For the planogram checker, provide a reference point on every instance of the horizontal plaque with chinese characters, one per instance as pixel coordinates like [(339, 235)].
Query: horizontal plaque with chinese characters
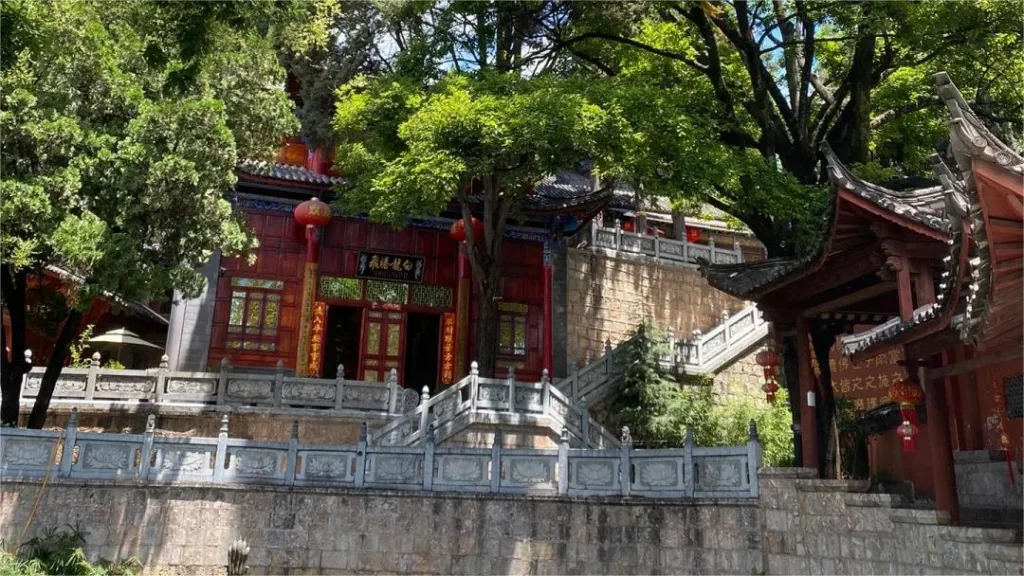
[(390, 267)]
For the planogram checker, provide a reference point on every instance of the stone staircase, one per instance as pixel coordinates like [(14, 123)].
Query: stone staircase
[(703, 354), (476, 401)]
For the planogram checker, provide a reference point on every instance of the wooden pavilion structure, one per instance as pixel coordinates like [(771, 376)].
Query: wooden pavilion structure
[(935, 272)]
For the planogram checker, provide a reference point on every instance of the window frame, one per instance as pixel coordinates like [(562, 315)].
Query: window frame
[(261, 335), (517, 320)]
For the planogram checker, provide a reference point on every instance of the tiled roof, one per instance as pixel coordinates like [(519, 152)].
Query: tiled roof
[(923, 205), (287, 172), (741, 280)]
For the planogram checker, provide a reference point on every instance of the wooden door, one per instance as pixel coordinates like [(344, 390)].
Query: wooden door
[(383, 344)]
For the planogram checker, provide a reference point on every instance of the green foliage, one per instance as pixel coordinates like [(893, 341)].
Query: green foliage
[(77, 350), (853, 440), (657, 409), (60, 552)]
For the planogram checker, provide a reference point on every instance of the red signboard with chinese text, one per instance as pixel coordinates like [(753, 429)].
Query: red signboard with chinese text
[(447, 348), (317, 325), (866, 383)]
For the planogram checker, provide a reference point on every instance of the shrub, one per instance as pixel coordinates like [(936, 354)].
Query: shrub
[(60, 552)]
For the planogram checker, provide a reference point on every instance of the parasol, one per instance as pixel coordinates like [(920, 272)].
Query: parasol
[(120, 338)]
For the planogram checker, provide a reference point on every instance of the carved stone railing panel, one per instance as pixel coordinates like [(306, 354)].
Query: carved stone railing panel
[(687, 472), (365, 396), (131, 384), (251, 390), (308, 392), (70, 384)]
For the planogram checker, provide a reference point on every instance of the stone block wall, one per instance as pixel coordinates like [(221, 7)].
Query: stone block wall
[(983, 485), (186, 530), (741, 379), (608, 297), (828, 527)]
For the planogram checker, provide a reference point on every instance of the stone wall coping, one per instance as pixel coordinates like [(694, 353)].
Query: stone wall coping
[(115, 407), (828, 485), (860, 500), (365, 492), (792, 472), (913, 516), (978, 456)]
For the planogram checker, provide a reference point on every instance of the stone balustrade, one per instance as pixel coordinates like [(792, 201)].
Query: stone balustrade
[(687, 472), (663, 250)]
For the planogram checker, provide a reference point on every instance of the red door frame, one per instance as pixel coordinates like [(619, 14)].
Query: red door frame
[(385, 316)]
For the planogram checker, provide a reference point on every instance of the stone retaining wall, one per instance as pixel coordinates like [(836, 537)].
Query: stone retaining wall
[(800, 526)]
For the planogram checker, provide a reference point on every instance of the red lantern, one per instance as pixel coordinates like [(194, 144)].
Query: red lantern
[(769, 360), (692, 234), (313, 212), (458, 230), (908, 393)]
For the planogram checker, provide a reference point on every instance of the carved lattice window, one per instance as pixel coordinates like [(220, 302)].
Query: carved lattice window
[(431, 296), (512, 331), (387, 292), (1013, 389), (341, 288), (254, 314)]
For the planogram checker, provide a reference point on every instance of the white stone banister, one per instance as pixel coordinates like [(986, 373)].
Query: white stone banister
[(664, 250), (618, 470), (708, 353)]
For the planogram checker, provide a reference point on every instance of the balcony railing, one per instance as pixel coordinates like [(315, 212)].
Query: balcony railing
[(664, 250)]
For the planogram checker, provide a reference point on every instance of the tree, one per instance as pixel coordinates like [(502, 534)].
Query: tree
[(460, 117), (773, 81), (121, 128)]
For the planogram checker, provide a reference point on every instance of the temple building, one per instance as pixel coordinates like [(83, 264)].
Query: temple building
[(922, 286)]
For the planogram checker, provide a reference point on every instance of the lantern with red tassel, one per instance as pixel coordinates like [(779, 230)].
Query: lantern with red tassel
[(908, 393), (692, 234), (769, 361), (458, 230)]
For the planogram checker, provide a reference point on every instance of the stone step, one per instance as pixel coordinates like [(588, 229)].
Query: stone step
[(978, 535), (853, 486), (875, 500), (912, 516)]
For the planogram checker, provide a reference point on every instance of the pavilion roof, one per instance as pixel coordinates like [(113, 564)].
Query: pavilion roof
[(970, 140)]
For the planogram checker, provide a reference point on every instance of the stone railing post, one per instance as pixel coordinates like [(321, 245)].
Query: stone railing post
[(28, 370), (70, 438), (222, 383), (90, 380), (711, 251), (474, 384), (574, 380), (293, 454), (753, 458), (607, 356), (428, 459), (618, 235), (728, 329), (563, 462), (625, 468), (688, 479), (511, 381), (339, 388), (739, 251), (595, 226), (673, 355), (393, 391), (425, 412), (147, 448), (222, 451), (695, 347), (657, 247), (161, 379), (364, 442), (278, 382), (496, 462), (585, 425), (545, 381)]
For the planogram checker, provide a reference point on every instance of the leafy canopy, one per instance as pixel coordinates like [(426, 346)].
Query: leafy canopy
[(120, 142)]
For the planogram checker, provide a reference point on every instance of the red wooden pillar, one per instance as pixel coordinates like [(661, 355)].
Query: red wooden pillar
[(808, 396), (548, 335), (946, 506), (313, 214)]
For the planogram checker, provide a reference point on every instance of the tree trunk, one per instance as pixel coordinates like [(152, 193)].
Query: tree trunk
[(822, 338), (14, 367), (487, 324), (53, 368)]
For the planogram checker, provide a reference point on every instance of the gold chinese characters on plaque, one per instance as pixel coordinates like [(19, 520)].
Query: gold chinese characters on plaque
[(865, 383), (394, 267), (447, 348)]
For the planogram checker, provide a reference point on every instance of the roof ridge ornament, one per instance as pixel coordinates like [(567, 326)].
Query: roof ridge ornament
[(968, 134)]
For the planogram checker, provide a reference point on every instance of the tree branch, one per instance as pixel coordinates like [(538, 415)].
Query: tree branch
[(891, 114), (630, 42)]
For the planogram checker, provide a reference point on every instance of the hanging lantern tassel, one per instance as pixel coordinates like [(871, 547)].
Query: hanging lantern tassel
[(908, 432), (770, 388)]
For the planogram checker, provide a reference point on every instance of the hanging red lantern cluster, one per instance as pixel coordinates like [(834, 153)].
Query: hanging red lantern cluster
[(907, 392), (769, 361), (692, 234), (458, 230)]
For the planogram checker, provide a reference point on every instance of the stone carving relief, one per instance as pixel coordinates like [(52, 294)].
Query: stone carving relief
[(133, 384), (397, 469), (255, 462), (192, 386), (410, 400), (606, 239), (596, 473), (529, 399), (696, 252), (446, 408), (657, 473), (713, 345), (464, 469), (372, 395), (65, 384), (250, 388), (492, 393), (27, 453), (671, 249), (721, 474), (106, 456), (184, 460), (327, 466), (297, 391), (531, 470)]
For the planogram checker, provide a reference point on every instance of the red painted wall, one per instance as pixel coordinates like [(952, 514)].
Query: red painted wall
[(888, 461), (996, 427)]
